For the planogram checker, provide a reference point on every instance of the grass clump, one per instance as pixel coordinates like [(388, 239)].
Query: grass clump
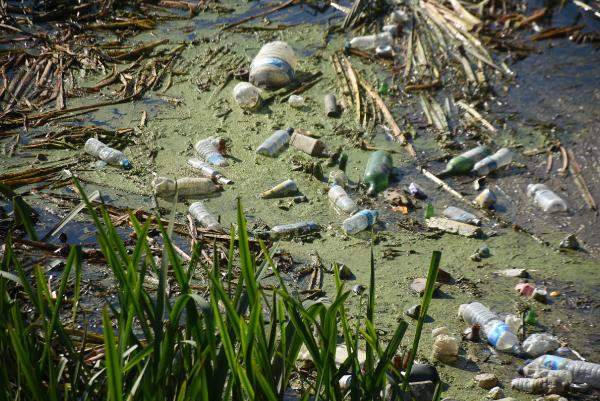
[(241, 343)]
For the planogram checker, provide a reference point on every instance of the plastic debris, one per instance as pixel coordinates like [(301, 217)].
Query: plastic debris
[(274, 65), (105, 153)]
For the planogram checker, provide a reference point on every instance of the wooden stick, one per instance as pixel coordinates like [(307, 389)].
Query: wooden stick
[(355, 90), (549, 163), (565, 159), (575, 169), (267, 12), (387, 115)]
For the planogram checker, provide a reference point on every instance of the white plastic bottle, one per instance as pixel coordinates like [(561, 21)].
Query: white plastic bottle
[(186, 186), (360, 221), (338, 196), (246, 95), (208, 171), (497, 332), (499, 159), (582, 372), (372, 41), (546, 198), (275, 142), (549, 382), (456, 214), (273, 66), (208, 149), (198, 211), (107, 154)]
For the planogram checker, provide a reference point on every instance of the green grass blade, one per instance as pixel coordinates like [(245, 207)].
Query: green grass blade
[(22, 212), (112, 364)]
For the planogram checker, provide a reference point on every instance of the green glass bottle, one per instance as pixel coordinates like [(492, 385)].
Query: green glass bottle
[(531, 317), (429, 210), (464, 162), (377, 173), (384, 88), (343, 161)]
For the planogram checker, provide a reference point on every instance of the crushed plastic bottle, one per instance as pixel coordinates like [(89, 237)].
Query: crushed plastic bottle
[(582, 372), (546, 198), (275, 142), (186, 186), (246, 95), (294, 229), (514, 322), (378, 170), (296, 101), (273, 66), (498, 334), (445, 346), (286, 188), (208, 171), (105, 153), (338, 196), (456, 214), (372, 41), (552, 382), (360, 221), (209, 149), (499, 159), (198, 211), (540, 343), (464, 162)]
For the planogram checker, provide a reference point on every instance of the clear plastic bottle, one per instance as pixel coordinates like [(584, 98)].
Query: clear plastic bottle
[(208, 171), (550, 382), (275, 142), (372, 41), (456, 214), (360, 221), (540, 343), (273, 66), (296, 101), (582, 372), (286, 188), (198, 211), (186, 186), (338, 196), (107, 154), (499, 159), (294, 229), (246, 95), (546, 198), (208, 149), (497, 332)]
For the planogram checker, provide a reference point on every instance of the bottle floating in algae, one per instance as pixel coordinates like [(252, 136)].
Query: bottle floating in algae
[(377, 173), (464, 162)]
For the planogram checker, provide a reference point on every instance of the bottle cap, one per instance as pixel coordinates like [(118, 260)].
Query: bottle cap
[(126, 164), (290, 130)]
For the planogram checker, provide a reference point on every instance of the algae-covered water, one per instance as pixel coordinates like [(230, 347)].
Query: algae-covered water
[(195, 107)]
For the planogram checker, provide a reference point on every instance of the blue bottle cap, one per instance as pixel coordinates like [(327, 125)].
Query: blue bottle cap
[(126, 164)]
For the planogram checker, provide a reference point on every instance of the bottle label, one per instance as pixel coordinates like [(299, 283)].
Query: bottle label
[(552, 362), (274, 62), (496, 332)]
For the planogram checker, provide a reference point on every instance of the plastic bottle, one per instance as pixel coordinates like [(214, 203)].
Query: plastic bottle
[(345, 382), (456, 214), (198, 211), (273, 66), (540, 343), (372, 41), (552, 382), (208, 149), (107, 154), (186, 186), (296, 101), (485, 199), (208, 171), (582, 372), (377, 172), (338, 196), (514, 322), (464, 162), (546, 198), (294, 229), (246, 95), (286, 188), (360, 221), (497, 332), (499, 159), (275, 142)]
